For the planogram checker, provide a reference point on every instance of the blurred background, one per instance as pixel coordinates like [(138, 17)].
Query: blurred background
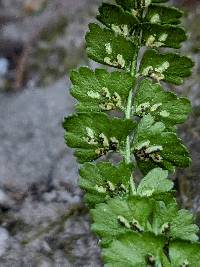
[(43, 222)]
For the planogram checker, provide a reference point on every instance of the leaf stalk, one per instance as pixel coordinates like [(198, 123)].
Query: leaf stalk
[(128, 113)]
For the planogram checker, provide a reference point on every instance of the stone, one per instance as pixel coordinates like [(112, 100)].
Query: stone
[(32, 137), (5, 200), (4, 64), (4, 241)]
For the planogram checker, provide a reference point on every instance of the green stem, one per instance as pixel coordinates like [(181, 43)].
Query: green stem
[(128, 116), (128, 145)]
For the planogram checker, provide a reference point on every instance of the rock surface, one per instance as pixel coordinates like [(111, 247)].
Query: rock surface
[(46, 217), (44, 222), (4, 241)]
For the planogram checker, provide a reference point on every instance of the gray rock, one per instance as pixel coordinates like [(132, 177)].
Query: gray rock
[(25, 29), (40, 174), (4, 64), (32, 143), (50, 196), (4, 241), (5, 201), (45, 263)]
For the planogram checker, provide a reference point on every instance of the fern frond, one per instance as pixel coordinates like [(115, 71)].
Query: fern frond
[(95, 134), (140, 215), (124, 252), (104, 180), (163, 14), (135, 249), (101, 91), (155, 182), (128, 112), (163, 106), (156, 33), (153, 146), (105, 47), (169, 67)]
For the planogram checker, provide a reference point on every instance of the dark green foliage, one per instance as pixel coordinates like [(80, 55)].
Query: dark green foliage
[(101, 90), (111, 15), (157, 35), (94, 135), (161, 105), (163, 14), (168, 67), (104, 180), (136, 249), (154, 146), (128, 112), (122, 50)]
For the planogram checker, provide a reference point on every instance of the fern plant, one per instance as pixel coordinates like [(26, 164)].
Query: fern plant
[(127, 117)]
